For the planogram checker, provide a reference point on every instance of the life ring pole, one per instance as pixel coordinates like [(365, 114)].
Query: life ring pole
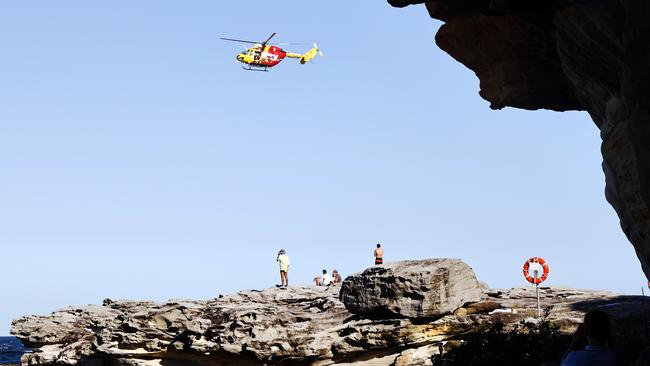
[(539, 312)]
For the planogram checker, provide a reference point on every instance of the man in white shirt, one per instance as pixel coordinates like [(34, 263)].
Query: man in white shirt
[(324, 280)]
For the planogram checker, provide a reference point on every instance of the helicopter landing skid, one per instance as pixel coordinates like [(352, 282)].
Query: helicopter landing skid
[(250, 68)]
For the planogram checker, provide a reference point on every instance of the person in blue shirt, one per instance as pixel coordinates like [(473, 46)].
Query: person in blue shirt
[(597, 352)]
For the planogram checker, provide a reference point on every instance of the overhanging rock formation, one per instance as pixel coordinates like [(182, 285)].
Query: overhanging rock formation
[(591, 55)]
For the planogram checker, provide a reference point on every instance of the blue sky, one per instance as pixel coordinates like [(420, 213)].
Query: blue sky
[(139, 161)]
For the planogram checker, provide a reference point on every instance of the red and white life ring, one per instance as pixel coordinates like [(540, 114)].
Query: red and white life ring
[(532, 279)]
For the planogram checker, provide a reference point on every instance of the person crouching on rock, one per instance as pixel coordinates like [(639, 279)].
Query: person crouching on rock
[(283, 261), (323, 280)]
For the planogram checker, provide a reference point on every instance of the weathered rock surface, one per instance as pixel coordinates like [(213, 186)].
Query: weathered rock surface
[(414, 289), (591, 55), (295, 326)]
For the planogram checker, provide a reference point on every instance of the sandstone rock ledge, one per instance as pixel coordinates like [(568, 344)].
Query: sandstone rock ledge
[(296, 326)]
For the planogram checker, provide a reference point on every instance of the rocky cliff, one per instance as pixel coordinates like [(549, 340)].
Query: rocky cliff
[(308, 325), (591, 55)]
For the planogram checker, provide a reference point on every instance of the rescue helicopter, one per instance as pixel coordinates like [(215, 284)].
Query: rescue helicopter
[(264, 55)]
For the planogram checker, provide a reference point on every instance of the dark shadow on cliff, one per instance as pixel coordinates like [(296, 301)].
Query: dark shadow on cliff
[(629, 314), (542, 343), (387, 317), (629, 302), (630, 327), (525, 344)]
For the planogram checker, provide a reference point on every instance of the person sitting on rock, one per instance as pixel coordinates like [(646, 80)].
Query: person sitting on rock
[(336, 278), (323, 280), (597, 352)]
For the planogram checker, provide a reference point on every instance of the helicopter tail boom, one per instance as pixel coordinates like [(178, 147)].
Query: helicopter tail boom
[(307, 56)]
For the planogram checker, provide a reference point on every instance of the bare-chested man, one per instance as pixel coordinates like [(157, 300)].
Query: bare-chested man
[(379, 255)]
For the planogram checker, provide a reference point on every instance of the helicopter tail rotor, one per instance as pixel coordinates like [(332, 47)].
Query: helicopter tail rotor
[(318, 49), (309, 55)]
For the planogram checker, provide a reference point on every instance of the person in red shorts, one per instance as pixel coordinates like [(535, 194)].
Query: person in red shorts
[(379, 255)]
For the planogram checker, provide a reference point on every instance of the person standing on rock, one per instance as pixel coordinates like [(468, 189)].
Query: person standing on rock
[(283, 261), (379, 255)]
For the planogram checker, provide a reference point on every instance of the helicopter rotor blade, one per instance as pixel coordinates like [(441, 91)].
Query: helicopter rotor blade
[(238, 40), (289, 44), (268, 39)]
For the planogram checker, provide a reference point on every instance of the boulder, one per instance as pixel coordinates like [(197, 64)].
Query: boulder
[(426, 288)]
